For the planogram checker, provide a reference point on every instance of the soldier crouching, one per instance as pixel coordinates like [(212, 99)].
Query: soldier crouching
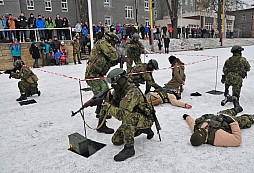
[(28, 85), (127, 104)]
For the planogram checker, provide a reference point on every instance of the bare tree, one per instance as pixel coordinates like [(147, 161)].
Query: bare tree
[(173, 10)]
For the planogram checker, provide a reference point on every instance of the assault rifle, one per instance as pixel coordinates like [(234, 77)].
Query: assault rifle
[(9, 72), (94, 101), (157, 124)]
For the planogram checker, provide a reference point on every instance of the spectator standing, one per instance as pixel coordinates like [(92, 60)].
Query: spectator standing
[(78, 28), (11, 23), (42, 49), (48, 52), (32, 25), (124, 33), (88, 43), (40, 24), (146, 30), (159, 44), (164, 30), (142, 31), (59, 24), (187, 31), (57, 56), (66, 30), (6, 24), (55, 44), (2, 34), (166, 43), (15, 48), (50, 24), (98, 31), (22, 23), (64, 49), (170, 30), (34, 51)]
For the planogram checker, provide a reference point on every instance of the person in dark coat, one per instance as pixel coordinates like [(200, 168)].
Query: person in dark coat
[(34, 51), (166, 43)]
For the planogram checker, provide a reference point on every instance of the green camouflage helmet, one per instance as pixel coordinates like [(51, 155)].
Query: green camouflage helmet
[(154, 64), (111, 37), (237, 48), (136, 36), (18, 63), (115, 74)]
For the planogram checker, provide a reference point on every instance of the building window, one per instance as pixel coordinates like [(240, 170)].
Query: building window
[(30, 4), (1, 2), (186, 2), (243, 28), (48, 6), (107, 3), (146, 4), (129, 12), (147, 21), (191, 3), (64, 6), (229, 27), (243, 17), (208, 26), (107, 20), (155, 13)]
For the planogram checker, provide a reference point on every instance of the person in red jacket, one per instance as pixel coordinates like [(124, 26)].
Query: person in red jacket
[(221, 129)]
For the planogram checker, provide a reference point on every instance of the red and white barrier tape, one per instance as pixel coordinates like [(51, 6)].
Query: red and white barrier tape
[(130, 74)]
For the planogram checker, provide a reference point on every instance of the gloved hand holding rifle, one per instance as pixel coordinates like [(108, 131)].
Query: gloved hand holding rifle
[(94, 101)]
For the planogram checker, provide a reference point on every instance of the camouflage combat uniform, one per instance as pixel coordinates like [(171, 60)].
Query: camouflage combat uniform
[(76, 51), (178, 76), (235, 70), (28, 79), (134, 50), (102, 58), (143, 77), (126, 107)]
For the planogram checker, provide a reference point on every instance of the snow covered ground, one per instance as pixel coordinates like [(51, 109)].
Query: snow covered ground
[(34, 138)]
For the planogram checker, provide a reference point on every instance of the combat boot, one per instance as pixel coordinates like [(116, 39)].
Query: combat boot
[(237, 106), (228, 98), (148, 131), (22, 97), (104, 128), (126, 153)]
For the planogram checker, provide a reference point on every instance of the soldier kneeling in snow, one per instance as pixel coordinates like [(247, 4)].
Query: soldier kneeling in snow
[(28, 84)]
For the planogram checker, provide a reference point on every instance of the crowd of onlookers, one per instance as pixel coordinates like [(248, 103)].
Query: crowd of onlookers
[(43, 24)]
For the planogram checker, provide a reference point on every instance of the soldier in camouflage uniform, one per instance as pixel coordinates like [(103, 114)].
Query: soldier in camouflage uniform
[(127, 104), (28, 84), (145, 77), (76, 50), (235, 70), (178, 76), (134, 50), (222, 129), (102, 58)]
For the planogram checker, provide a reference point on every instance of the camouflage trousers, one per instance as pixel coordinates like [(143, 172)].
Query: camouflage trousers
[(244, 121), (236, 82), (74, 57), (97, 85), (130, 123), (129, 62), (24, 86)]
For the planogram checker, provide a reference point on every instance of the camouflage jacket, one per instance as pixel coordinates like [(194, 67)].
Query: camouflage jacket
[(25, 74), (140, 78), (130, 101), (178, 76), (76, 46), (102, 58), (134, 49), (236, 65)]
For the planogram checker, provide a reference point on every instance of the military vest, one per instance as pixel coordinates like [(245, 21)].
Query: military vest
[(236, 65), (214, 123)]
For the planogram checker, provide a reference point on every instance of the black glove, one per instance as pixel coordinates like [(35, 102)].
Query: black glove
[(223, 79), (185, 116), (10, 76), (228, 119)]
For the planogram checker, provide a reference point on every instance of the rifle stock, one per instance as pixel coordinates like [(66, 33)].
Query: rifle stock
[(157, 124)]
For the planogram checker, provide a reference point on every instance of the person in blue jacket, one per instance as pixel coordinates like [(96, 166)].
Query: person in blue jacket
[(40, 24), (15, 48)]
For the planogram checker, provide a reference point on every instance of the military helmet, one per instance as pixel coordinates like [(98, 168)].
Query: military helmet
[(198, 137), (136, 36), (237, 48), (115, 74), (110, 36), (171, 59), (154, 64), (18, 63)]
